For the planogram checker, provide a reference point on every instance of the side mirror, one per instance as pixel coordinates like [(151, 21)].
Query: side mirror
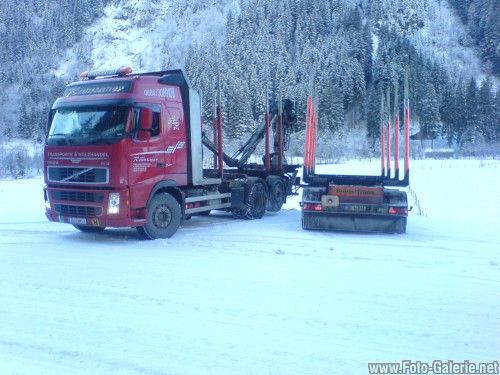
[(145, 123)]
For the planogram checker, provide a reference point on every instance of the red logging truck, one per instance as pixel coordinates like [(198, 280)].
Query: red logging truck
[(125, 150)]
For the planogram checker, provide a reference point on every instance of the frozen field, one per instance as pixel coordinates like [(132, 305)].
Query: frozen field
[(225, 296)]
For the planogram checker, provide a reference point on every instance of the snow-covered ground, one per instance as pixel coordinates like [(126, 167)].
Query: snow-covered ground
[(255, 297)]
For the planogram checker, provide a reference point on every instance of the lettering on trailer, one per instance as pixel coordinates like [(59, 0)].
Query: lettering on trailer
[(164, 92), (355, 191)]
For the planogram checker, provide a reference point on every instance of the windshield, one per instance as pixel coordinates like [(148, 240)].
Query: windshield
[(87, 125)]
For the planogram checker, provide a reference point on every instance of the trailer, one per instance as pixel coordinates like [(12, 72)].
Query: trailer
[(126, 150), (360, 203)]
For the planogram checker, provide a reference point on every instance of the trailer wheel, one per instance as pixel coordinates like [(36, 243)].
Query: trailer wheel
[(400, 225), (163, 218), (89, 229), (277, 193), (303, 221), (256, 199)]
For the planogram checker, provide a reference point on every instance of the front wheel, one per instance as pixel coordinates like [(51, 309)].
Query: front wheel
[(163, 217)]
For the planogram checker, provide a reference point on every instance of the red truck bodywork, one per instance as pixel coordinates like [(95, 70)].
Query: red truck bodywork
[(146, 162)]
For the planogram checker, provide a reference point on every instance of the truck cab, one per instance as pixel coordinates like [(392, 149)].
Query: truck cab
[(113, 139)]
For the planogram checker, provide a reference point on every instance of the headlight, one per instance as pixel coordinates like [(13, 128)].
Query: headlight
[(114, 203)]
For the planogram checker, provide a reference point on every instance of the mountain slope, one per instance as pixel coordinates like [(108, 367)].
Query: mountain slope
[(441, 39), (146, 35)]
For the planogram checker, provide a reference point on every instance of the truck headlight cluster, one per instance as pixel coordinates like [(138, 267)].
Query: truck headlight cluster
[(114, 203)]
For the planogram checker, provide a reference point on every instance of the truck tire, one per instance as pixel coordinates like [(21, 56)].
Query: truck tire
[(399, 198), (89, 229), (277, 193), (400, 225), (163, 218), (256, 199), (239, 213)]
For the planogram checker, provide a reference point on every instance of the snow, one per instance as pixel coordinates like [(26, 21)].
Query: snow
[(444, 40), (225, 296), (148, 36)]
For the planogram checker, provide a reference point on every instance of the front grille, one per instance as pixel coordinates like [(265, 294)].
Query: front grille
[(85, 211), (77, 196), (78, 175)]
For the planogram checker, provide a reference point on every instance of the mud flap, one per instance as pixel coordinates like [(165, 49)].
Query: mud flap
[(353, 223)]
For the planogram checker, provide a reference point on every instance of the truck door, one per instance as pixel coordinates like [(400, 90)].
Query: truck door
[(176, 150), (147, 155)]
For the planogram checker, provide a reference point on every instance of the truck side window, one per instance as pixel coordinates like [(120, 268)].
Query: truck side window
[(155, 126)]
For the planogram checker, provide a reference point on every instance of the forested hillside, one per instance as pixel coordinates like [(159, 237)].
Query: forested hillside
[(483, 26), (345, 53), (33, 36)]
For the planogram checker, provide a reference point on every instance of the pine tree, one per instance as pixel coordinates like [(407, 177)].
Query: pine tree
[(462, 8), (449, 114), (472, 134), (429, 111), (497, 115), (486, 111), (25, 126), (460, 109), (489, 44)]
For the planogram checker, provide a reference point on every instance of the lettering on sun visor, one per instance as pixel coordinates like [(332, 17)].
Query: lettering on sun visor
[(98, 88), (164, 92)]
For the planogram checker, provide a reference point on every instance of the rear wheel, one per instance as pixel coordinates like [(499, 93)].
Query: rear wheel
[(277, 193), (89, 229), (256, 199), (239, 213), (163, 218), (400, 225)]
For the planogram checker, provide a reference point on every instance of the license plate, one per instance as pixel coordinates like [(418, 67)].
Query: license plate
[(355, 208), (77, 220)]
